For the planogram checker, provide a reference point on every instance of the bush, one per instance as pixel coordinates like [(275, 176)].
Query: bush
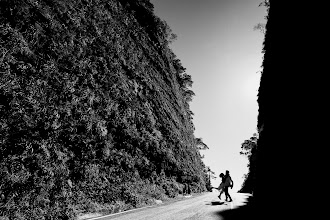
[(171, 188)]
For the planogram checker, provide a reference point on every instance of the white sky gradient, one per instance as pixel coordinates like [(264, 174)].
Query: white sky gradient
[(217, 45)]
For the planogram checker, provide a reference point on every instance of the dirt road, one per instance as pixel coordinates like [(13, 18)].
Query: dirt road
[(203, 207)]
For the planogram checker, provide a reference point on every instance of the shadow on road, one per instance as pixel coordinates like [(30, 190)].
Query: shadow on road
[(215, 203), (247, 211)]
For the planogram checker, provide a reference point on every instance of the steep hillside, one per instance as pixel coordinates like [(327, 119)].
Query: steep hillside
[(94, 109), (289, 115)]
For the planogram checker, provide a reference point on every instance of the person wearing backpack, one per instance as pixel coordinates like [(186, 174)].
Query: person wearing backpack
[(228, 183)]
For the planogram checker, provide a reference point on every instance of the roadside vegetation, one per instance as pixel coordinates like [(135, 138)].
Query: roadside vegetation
[(94, 109), (249, 149)]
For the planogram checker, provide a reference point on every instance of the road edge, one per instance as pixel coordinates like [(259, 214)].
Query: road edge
[(145, 207)]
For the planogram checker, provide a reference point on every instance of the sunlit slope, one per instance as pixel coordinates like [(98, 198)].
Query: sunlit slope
[(94, 109)]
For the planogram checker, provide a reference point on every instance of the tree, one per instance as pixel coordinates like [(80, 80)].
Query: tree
[(261, 27), (200, 144), (249, 149), (249, 145), (210, 174)]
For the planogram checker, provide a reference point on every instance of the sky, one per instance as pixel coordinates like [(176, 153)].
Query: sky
[(219, 48)]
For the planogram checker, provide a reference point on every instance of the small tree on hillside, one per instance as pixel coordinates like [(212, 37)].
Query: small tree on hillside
[(210, 175), (249, 145), (249, 148)]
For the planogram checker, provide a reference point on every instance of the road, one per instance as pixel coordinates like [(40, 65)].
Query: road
[(202, 207)]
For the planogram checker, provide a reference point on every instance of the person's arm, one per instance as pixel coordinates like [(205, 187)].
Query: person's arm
[(232, 183)]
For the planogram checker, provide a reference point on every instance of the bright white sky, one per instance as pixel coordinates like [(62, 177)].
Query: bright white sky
[(221, 51)]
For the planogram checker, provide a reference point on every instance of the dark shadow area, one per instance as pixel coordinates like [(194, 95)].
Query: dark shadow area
[(216, 203), (247, 211)]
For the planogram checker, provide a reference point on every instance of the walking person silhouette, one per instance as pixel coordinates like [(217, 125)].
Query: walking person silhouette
[(228, 183), (222, 184)]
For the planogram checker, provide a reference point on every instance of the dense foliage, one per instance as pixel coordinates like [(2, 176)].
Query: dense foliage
[(94, 109), (249, 149)]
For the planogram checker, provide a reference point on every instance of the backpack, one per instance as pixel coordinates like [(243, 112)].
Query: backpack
[(228, 181)]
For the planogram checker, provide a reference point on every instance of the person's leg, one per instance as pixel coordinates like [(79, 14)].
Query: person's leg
[(226, 192), (221, 191)]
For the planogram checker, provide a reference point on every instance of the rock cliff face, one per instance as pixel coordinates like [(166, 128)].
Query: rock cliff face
[(94, 109), (288, 115)]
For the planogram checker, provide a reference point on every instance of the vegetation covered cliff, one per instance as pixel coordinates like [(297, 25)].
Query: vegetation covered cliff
[(290, 94), (94, 109)]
